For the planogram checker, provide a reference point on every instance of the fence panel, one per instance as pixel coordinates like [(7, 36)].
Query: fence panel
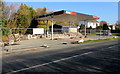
[(18, 38), (24, 38)]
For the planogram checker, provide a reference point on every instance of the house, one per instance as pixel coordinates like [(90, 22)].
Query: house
[(112, 27), (60, 28), (89, 23)]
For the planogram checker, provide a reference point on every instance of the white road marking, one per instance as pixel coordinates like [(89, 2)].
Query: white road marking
[(113, 46), (109, 47), (49, 63)]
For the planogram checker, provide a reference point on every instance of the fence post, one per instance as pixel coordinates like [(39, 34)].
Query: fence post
[(1, 40), (52, 28), (90, 32), (85, 30), (108, 33), (45, 35), (10, 40), (100, 34)]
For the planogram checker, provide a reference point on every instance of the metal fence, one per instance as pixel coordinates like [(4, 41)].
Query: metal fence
[(23, 38), (13, 37), (96, 32)]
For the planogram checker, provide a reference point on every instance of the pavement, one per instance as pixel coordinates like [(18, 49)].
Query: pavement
[(100, 57), (34, 44)]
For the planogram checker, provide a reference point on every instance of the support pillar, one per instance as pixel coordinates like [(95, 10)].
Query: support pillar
[(85, 29), (52, 28)]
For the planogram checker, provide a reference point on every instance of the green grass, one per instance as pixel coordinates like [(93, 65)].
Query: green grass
[(99, 40), (96, 33), (99, 33), (116, 34)]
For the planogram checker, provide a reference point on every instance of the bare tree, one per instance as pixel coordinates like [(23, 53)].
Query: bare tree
[(0, 13), (8, 11)]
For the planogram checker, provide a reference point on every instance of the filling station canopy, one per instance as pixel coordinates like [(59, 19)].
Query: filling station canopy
[(67, 16)]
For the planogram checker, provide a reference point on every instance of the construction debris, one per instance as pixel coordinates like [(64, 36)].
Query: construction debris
[(72, 37), (64, 42), (45, 46), (82, 40), (58, 39)]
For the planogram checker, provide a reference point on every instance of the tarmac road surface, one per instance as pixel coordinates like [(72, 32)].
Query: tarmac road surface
[(102, 57)]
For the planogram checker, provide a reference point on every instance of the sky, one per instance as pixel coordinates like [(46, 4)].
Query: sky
[(62, 0), (107, 11)]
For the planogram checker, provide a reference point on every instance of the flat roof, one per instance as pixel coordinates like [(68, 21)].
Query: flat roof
[(67, 16)]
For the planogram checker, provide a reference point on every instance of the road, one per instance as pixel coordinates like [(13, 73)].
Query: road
[(103, 57)]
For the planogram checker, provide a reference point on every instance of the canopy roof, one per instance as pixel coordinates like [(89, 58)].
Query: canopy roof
[(67, 16), (65, 25)]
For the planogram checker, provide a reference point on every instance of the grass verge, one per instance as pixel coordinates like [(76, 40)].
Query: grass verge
[(116, 34), (99, 40)]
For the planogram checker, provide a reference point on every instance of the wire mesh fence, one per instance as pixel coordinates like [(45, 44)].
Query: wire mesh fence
[(96, 32), (26, 38), (11, 38), (66, 33), (99, 34)]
